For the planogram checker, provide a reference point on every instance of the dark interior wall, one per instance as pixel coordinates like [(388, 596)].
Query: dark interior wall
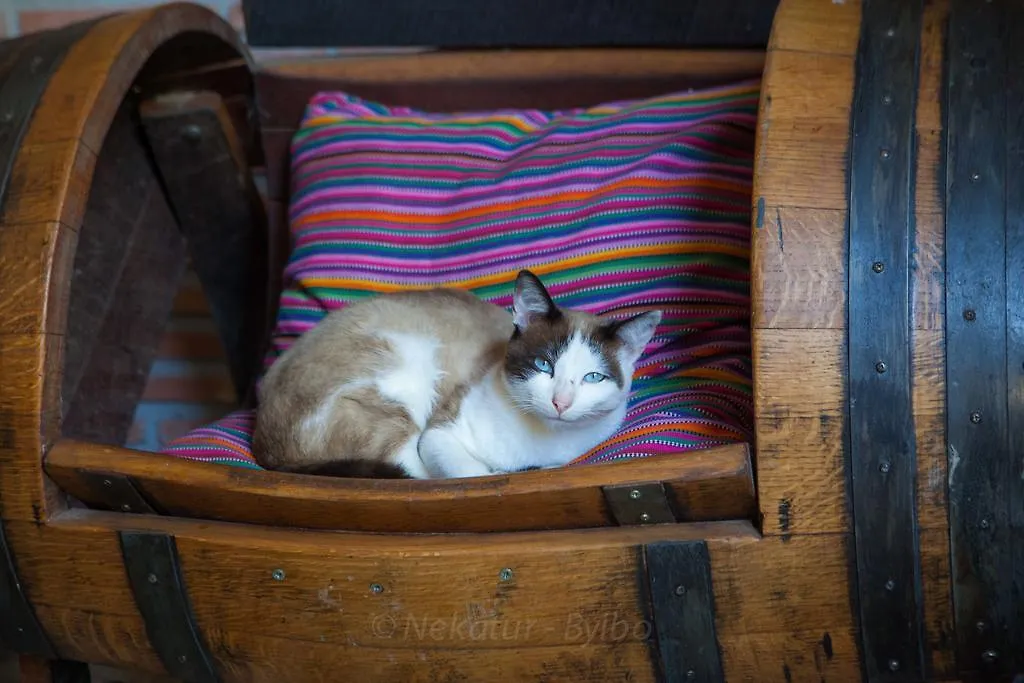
[(735, 24)]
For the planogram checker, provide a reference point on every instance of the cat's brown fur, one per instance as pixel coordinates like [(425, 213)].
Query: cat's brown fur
[(374, 427)]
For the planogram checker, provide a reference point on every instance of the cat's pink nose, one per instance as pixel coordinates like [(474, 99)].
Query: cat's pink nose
[(561, 403)]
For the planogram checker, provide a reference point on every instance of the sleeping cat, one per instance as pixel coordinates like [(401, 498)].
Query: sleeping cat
[(438, 384)]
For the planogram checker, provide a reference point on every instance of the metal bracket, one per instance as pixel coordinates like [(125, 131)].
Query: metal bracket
[(151, 561), (683, 603), (109, 491), (881, 440), (639, 504)]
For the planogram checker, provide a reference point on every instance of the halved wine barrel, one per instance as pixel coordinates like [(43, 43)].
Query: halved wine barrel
[(887, 339), (888, 262)]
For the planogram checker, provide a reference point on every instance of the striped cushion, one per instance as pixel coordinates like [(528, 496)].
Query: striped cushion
[(619, 208)]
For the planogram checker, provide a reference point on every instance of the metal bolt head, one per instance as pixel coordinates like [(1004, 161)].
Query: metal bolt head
[(890, 585), (644, 517), (890, 33), (976, 416), (886, 99), (985, 524), (884, 467), (975, 177), (970, 315), (980, 626), (126, 508), (278, 574), (634, 494), (192, 132), (989, 656), (894, 665), (885, 154), (881, 367), (108, 483), (376, 588), (878, 266), (691, 675), (680, 590), (182, 658), (151, 578), (505, 574)]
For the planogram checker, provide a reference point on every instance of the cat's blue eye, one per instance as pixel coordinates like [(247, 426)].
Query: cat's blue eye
[(594, 377), (542, 365)]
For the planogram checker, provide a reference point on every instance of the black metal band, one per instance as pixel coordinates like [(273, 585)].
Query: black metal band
[(499, 23), (20, 630), (882, 444), (151, 561), (984, 260), (683, 604), (26, 65)]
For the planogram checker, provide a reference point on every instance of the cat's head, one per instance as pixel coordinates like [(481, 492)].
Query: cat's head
[(569, 366)]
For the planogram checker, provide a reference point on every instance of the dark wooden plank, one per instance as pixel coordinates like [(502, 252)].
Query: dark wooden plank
[(1015, 322), (498, 23), (128, 266), (203, 166), (981, 467), (120, 188), (682, 599), (882, 444), (20, 630), (154, 573)]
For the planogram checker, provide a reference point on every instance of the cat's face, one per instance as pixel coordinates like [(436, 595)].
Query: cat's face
[(570, 366)]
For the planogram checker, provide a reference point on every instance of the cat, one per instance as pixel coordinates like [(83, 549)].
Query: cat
[(432, 384)]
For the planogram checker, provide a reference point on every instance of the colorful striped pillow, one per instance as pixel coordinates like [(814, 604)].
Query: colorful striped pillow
[(619, 208)]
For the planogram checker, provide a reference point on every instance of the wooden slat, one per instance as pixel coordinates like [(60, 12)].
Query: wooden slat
[(716, 484), (485, 79), (798, 255), (129, 261), (195, 144), (784, 601), (798, 267), (817, 27)]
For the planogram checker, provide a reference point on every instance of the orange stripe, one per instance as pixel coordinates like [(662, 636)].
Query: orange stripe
[(509, 275), (529, 202)]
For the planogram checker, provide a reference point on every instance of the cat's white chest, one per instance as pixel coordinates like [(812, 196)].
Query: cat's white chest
[(502, 439)]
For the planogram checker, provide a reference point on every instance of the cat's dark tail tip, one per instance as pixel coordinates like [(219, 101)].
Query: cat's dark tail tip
[(353, 469)]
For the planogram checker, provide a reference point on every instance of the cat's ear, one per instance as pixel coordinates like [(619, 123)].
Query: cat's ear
[(637, 332), (530, 300)]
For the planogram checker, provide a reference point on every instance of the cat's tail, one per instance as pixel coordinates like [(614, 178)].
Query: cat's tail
[(355, 469)]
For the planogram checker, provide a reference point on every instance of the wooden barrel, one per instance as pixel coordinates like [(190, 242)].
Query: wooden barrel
[(888, 260), (887, 243)]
